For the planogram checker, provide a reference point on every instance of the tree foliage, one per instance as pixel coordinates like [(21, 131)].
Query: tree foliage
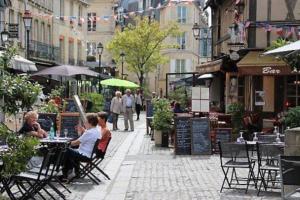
[(142, 44)]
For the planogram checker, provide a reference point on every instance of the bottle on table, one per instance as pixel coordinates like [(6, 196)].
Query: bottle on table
[(52, 133)]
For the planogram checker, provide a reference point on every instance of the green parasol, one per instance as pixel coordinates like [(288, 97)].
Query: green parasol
[(119, 83)]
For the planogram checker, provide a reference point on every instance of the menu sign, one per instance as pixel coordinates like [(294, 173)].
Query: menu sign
[(69, 121), (46, 119), (149, 108), (201, 142), (223, 135), (183, 136)]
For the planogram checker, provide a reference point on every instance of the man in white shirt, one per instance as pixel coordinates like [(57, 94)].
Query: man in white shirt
[(128, 104), (86, 144)]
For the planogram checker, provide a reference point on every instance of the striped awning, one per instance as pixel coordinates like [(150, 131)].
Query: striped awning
[(5, 3)]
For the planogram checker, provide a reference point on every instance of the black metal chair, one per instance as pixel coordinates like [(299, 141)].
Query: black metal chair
[(86, 168), (290, 175), (30, 184), (268, 155), (235, 156)]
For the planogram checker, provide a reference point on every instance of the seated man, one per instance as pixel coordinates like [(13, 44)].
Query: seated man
[(105, 132), (86, 144), (31, 127)]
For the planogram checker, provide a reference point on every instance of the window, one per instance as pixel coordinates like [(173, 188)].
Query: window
[(62, 50), (79, 15), (21, 28), (205, 43), (79, 53), (91, 49), (36, 30), (71, 53), (49, 35), (181, 40), (62, 9), (91, 21), (11, 16), (180, 67), (43, 33), (181, 14)]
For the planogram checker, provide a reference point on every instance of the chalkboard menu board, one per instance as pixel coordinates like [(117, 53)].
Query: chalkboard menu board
[(71, 106), (149, 108), (46, 119), (183, 136), (106, 107), (223, 135), (69, 121), (201, 142)]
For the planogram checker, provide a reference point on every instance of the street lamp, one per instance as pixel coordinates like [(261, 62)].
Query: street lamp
[(196, 31), (27, 18), (100, 51), (122, 60), (4, 36)]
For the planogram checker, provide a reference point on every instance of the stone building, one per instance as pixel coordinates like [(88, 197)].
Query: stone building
[(241, 32)]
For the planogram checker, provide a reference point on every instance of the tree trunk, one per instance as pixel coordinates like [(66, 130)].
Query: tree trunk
[(141, 79)]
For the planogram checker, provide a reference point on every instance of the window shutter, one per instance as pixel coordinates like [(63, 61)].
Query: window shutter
[(172, 65), (188, 65)]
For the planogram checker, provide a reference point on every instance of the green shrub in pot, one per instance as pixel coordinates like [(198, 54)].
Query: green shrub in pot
[(292, 118), (163, 115)]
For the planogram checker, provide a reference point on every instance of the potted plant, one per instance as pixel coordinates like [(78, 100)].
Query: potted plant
[(292, 117), (237, 112), (162, 120)]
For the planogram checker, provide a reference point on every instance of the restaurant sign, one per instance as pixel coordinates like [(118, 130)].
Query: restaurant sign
[(270, 70)]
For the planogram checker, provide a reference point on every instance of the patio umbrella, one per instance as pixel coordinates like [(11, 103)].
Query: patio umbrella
[(21, 64), (119, 83), (67, 70), (284, 50)]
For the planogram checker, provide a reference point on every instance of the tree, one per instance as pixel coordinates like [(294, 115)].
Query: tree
[(142, 44), (292, 59)]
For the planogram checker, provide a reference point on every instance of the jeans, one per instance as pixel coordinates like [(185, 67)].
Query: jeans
[(72, 160)]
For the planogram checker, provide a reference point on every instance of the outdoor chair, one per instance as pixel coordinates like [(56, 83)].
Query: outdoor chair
[(86, 168), (290, 175), (59, 158), (268, 165), (30, 184), (235, 156)]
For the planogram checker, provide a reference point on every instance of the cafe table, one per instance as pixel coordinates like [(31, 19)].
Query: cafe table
[(57, 141)]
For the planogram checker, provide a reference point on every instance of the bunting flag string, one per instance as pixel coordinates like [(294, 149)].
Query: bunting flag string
[(106, 18)]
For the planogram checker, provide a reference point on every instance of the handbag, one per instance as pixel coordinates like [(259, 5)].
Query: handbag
[(110, 118)]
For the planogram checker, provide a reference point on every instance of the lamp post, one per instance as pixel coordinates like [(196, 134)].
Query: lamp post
[(27, 18), (122, 60), (196, 31), (100, 51), (4, 36)]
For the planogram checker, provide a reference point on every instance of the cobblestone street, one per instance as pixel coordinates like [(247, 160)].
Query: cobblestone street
[(139, 170)]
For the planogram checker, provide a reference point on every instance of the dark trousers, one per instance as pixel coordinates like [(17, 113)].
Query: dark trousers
[(138, 110), (72, 159), (115, 117)]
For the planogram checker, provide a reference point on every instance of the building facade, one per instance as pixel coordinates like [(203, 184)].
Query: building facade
[(70, 31), (241, 32), (100, 31)]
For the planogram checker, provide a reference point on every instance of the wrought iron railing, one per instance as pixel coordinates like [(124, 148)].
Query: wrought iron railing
[(39, 50)]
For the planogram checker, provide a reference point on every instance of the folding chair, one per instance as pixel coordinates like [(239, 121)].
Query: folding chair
[(268, 155), (56, 168), (96, 158), (290, 175), (235, 156), (36, 182)]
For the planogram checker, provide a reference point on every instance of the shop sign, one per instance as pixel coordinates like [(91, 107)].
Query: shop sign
[(13, 30), (270, 70)]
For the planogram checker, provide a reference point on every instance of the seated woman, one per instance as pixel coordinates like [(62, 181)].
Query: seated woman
[(177, 108), (31, 127), (86, 144), (105, 132)]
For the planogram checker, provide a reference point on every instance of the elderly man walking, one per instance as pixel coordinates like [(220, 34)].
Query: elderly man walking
[(128, 104)]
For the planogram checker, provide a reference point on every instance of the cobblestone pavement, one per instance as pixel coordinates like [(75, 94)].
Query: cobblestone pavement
[(159, 174), (140, 170)]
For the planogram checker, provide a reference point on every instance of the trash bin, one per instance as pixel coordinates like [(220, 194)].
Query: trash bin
[(165, 139)]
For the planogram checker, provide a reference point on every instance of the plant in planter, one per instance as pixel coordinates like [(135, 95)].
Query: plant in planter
[(162, 119), (292, 118), (96, 100), (237, 112)]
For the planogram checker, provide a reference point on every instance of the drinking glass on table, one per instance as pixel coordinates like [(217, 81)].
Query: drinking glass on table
[(57, 134), (66, 132)]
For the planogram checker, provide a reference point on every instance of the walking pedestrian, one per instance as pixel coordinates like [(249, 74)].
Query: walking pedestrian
[(128, 109), (138, 104), (115, 109)]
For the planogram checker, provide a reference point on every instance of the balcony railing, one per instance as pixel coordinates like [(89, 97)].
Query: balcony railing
[(80, 63), (71, 61), (39, 50)]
